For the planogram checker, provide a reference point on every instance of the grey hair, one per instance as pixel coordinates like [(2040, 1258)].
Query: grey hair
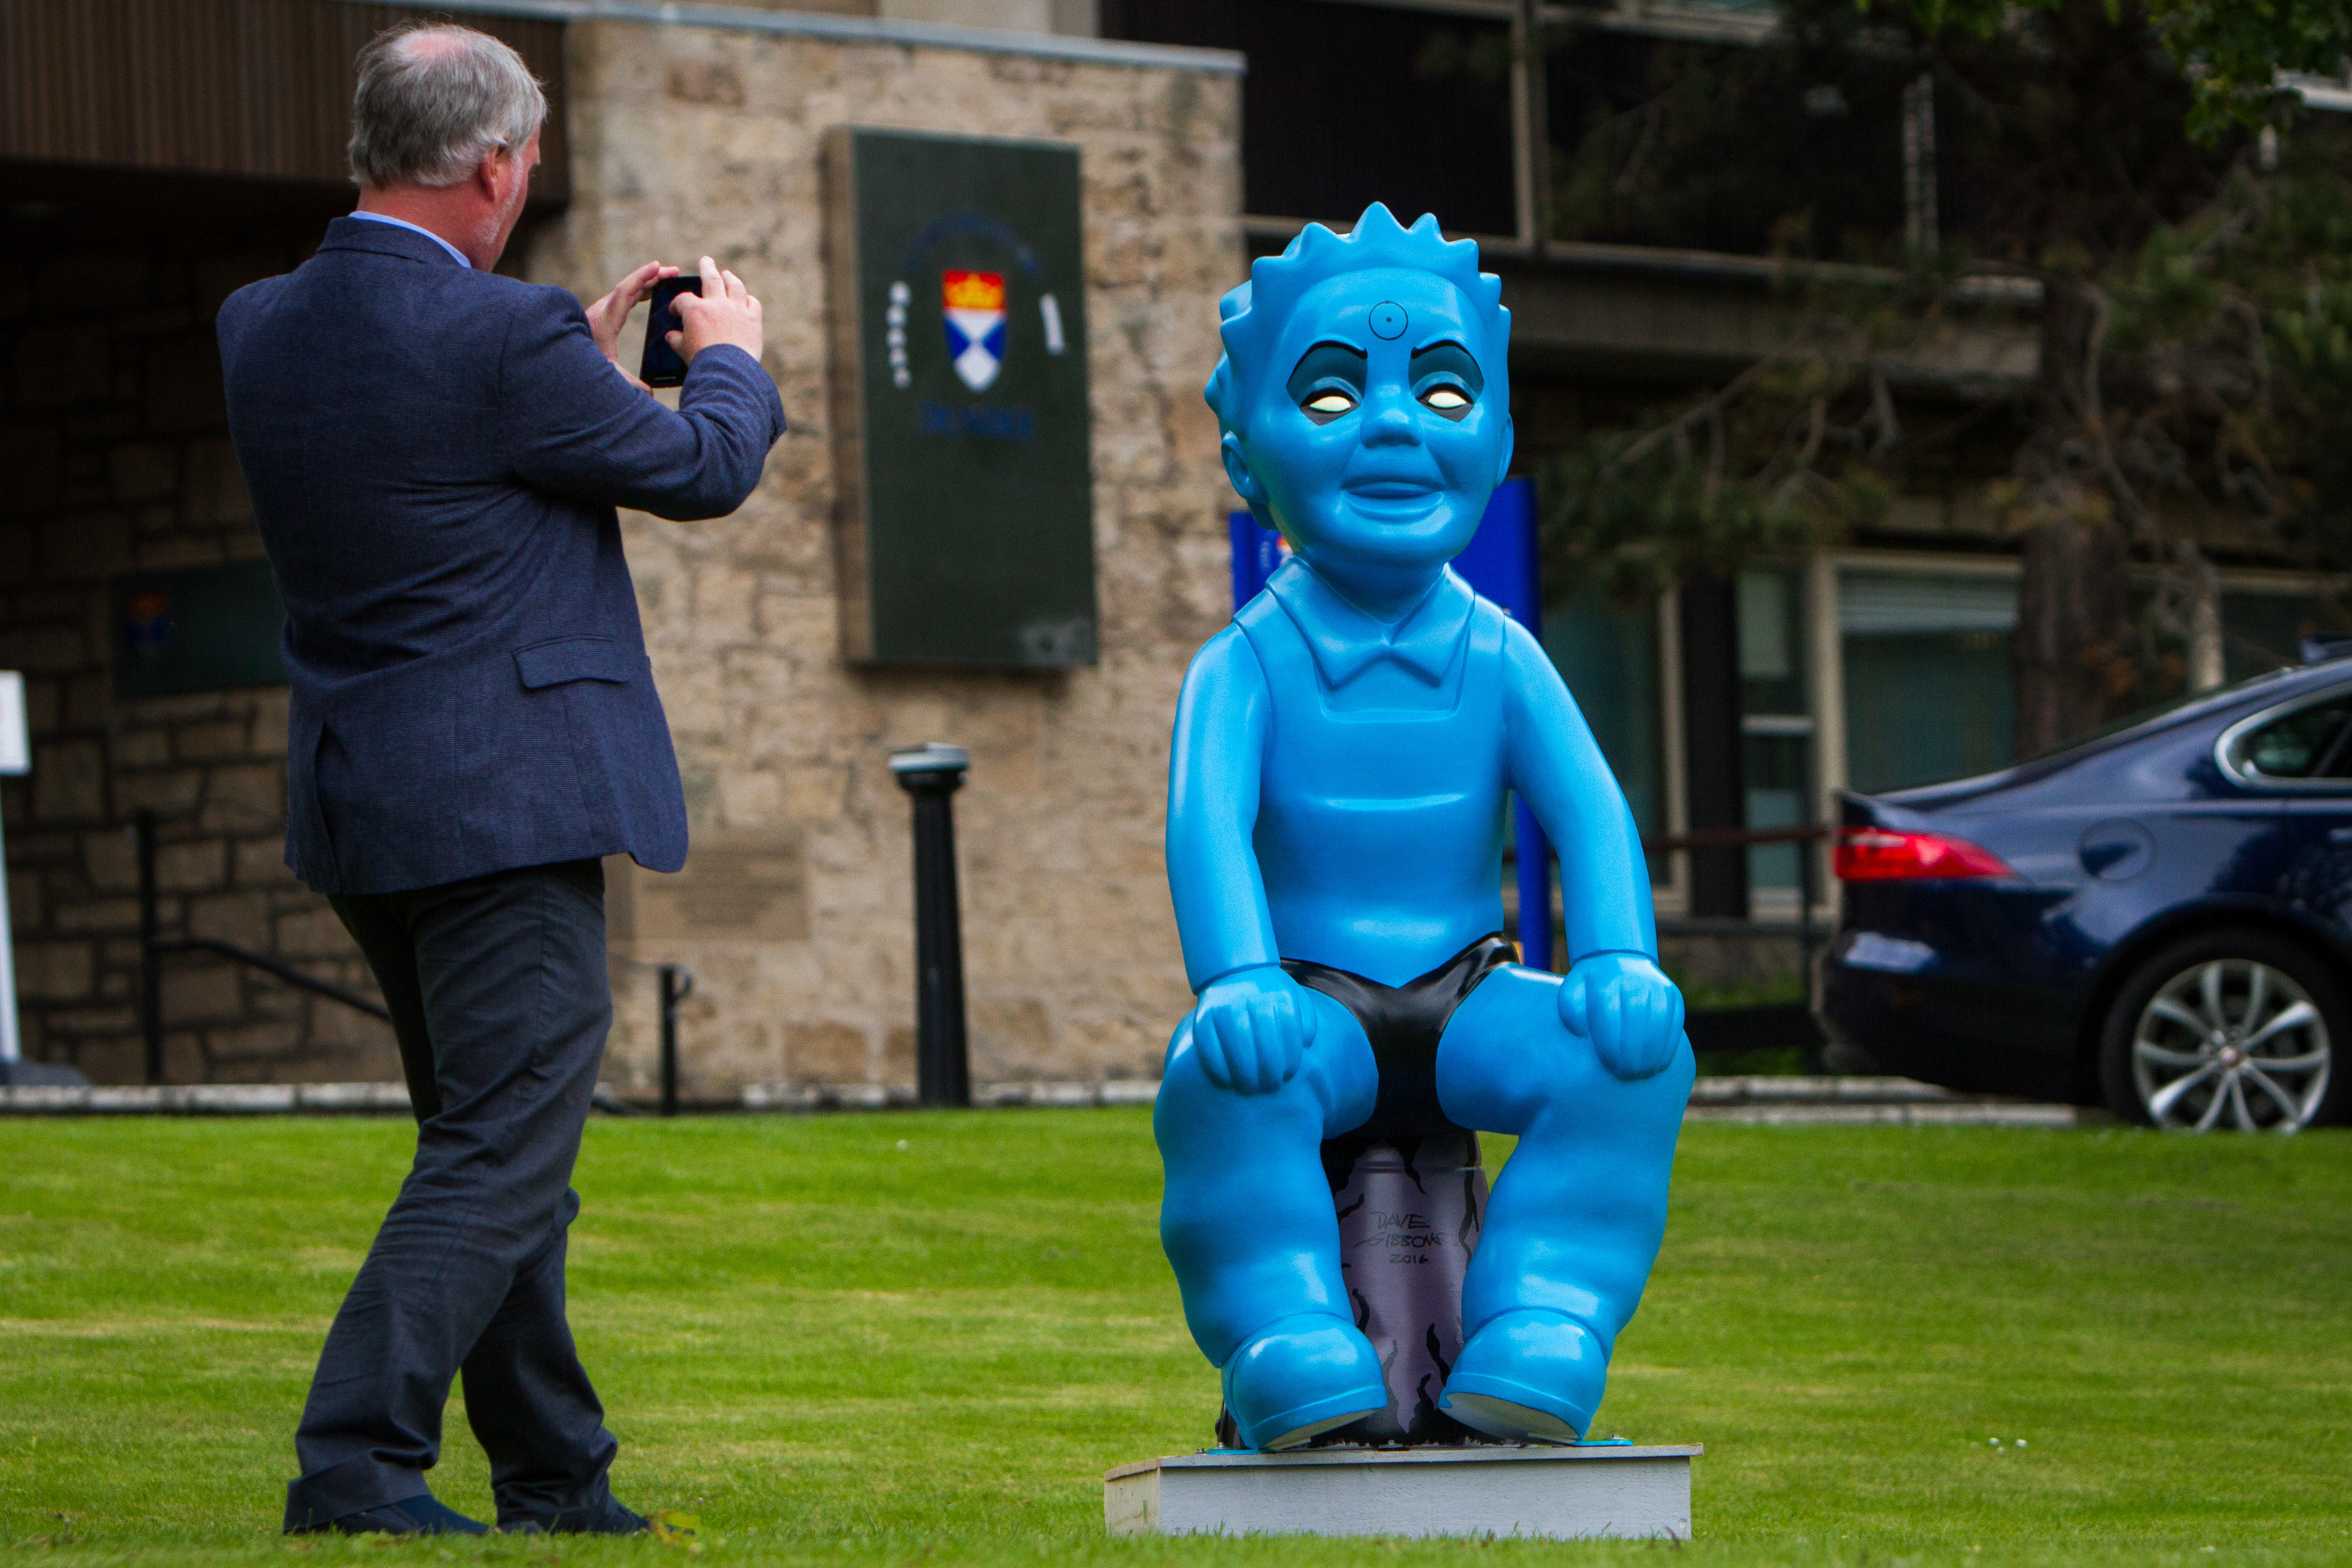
[(434, 100)]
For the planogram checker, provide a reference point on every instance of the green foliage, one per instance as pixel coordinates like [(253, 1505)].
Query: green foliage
[(1802, 450), (921, 1339), (2108, 150), (2292, 271), (1777, 464), (2227, 360), (1792, 148), (2230, 50)]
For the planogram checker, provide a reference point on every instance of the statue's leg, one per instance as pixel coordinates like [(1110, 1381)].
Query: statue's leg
[(1576, 1216), (1249, 1227)]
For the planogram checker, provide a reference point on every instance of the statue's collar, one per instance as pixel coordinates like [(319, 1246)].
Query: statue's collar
[(1346, 641)]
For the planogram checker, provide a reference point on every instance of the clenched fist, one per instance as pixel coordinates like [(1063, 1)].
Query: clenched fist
[(1627, 1007), (1251, 1029)]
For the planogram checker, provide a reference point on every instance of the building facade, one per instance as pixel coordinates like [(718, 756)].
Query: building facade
[(1746, 702), (152, 159), (795, 912)]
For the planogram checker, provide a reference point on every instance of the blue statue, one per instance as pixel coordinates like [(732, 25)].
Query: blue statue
[(1336, 801)]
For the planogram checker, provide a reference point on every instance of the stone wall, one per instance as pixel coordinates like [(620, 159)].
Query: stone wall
[(1068, 17), (116, 455), (796, 911)]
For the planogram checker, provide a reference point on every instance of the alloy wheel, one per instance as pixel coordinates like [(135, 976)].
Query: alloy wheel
[(2232, 1043)]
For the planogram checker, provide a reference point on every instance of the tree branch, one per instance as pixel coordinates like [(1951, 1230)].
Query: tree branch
[(1678, 429), (2094, 421)]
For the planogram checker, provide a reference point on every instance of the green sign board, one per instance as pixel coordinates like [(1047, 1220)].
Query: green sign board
[(202, 628), (960, 406)]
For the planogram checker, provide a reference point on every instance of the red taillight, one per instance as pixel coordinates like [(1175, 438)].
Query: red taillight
[(1880, 855)]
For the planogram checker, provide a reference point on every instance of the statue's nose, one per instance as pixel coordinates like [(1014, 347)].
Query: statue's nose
[(1389, 422)]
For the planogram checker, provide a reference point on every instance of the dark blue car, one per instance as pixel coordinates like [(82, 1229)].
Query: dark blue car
[(2158, 918)]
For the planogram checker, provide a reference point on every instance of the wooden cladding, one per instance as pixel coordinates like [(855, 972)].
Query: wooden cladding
[(256, 88)]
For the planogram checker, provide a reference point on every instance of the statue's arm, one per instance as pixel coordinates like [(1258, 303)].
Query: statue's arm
[(1213, 769), (1558, 769), (1252, 1021), (1615, 993)]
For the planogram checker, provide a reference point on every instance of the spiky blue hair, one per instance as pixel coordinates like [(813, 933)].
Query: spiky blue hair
[(1252, 316)]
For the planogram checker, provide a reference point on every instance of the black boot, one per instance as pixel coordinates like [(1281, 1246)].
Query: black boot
[(423, 1515)]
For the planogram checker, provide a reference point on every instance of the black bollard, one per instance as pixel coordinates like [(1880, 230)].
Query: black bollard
[(676, 985), (151, 963), (931, 774)]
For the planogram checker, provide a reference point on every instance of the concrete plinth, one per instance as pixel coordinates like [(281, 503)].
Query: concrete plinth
[(1560, 1494)]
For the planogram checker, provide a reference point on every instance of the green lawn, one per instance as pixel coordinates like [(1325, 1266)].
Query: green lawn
[(913, 1339)]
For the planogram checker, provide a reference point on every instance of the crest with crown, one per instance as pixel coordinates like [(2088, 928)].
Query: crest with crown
[(971, 305)]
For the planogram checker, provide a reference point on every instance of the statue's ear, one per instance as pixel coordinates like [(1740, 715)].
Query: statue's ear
[(1503, 463), (1245, 484)]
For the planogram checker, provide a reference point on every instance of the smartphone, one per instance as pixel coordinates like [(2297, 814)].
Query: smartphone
[(664, 365)]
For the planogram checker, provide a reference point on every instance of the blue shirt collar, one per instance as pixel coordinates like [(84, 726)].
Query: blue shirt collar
[(455, 254), (1346, 641)]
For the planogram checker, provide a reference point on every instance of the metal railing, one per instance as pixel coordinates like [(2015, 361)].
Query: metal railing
[(676, 982), (1745, 837), (1771, 1023), (153, 947)]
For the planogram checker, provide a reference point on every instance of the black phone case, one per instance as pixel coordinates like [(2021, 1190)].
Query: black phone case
[(662, 365)]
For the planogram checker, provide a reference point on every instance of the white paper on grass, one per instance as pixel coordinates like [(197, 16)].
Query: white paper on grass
[(15, 747), (15, 757)]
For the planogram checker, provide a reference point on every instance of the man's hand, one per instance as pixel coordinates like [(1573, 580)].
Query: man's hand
[(1251, 1027), (725, 312), (1627, 1007), (609, 314)]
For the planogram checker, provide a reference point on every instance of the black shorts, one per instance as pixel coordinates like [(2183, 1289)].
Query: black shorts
[(1404, 1024)]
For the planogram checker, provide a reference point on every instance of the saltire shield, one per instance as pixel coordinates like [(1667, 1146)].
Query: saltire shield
[(972, 304)]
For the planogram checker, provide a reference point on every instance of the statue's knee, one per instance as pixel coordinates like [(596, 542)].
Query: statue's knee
[(1182, 1083), (1667, 1090), (1684, 1070), (1654, 1102), (1196, 1118), (1180, 1043)]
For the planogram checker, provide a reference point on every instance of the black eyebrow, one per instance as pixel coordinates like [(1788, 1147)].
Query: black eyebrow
[(1467, 368), (1318, 362)]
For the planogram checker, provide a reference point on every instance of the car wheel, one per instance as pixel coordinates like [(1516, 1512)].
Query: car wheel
[(2231, 1030)]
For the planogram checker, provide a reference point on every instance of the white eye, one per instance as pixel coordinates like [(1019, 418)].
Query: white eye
[(1445, 398), (1329, 403)]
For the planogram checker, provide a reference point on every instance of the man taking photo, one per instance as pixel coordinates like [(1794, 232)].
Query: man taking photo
[(435, 454)]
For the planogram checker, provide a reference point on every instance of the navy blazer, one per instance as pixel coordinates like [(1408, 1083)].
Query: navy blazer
[(434, 454)]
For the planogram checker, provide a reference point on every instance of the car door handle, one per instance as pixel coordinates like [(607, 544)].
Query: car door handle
[(2339, 836)]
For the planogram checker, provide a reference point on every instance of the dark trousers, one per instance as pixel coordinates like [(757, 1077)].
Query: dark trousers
[(500, 997)]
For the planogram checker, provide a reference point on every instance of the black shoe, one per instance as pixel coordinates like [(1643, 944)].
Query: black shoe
[(607, 1518), (423, 1515)]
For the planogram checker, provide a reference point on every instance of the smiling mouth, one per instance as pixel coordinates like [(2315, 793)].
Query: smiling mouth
[(1389, 493)]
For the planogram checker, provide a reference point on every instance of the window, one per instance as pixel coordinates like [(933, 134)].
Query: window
[(1928, 693), (2263, 631), (2309, 744), (1775, 728), (1346, 105), (1609, 657), (2262, 628), (1707, 144)]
